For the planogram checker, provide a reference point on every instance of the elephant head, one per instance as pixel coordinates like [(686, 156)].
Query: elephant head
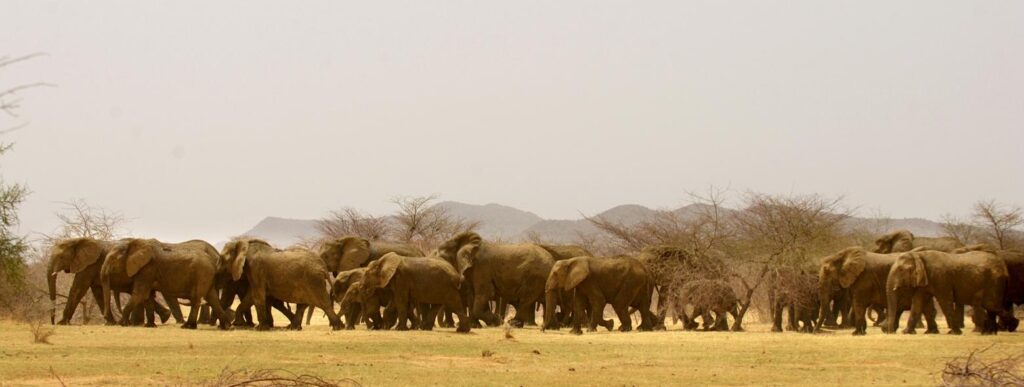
[(461, 251), (895, 242), (70, 256), (133, 255), (345, 254), (909, 271), (565, 276), (344, 281), (842, 268), (380, 272), (235, 254)]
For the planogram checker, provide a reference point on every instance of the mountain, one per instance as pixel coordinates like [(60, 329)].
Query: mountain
[(496, 221), (511, 224)]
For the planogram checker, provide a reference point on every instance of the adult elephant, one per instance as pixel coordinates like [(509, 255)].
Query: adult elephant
[(84, 258), (900, 241), (417, 281), (294, 275), (711, 296), (620, 281), (230, 289), (975, 278), (864, 275), (177, 270), (515, 273), (1014, 294), (353, 252), (796, 291)]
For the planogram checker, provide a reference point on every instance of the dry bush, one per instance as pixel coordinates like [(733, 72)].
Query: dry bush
[(418, 221), (971, 370), (272, 377), (352, 222), (999, 223)]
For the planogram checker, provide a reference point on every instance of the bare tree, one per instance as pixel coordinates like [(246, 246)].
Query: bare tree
[(422, 222), (349, 221), (963, 231), (998, 222)]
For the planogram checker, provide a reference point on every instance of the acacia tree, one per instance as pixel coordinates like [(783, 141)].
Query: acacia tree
[(422, 222), (12, 246), (349, 221), (998, 223)]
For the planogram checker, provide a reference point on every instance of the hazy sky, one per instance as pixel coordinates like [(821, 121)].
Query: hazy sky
[(198, 119)]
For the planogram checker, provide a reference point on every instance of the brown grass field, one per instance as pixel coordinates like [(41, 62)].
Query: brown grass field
[(102, 355)]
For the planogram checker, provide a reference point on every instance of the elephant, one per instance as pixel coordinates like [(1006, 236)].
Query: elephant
[(177, 270), (796, 291), (975, 278), (559, 252), (344, 293), (671, 267), (711, 295), (230, 289), (863, 274), (353, 252), (294, 275), (416, 280), (1014, 294), (515, 273), (620, 281), (84, 258), (900, 241)]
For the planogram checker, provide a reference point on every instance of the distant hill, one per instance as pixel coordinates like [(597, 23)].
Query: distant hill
[(512, 224)]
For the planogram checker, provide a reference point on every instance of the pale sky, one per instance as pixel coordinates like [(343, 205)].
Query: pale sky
[(198, 119)]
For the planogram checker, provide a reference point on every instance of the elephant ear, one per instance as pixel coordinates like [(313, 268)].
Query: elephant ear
[(238, 258), (883, 245), (140, 253), (920, 275), (468, 252), (557, 276), (387, 268), (578, 271), (851, 268), (355, 252), (86, 252)]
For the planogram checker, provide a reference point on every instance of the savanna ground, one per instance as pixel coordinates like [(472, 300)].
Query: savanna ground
[(102, 355)]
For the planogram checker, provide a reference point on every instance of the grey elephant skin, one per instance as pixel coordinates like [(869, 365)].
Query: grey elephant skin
[(294, 275), (863, 274), (595, 282), (177, 270), (417, 281), (976, 278)]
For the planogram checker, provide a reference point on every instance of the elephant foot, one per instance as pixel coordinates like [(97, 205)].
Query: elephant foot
[(295, 327), (988, 333), (609, 325), (264, 327), (63, 322), (576, 331), (150, 325), (624, 328), (910, 331), (188, 325), (776, 328), (858, 332), (515, 323), (932, 331), (463, 328), (955, 332), (737, 328), (401, 327)]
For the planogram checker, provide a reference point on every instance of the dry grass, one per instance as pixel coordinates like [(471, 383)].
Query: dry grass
[(95, 355)]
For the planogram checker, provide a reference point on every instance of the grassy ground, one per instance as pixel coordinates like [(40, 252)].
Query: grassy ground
[(86, 355)]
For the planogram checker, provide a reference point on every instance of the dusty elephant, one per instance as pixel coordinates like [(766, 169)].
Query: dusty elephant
[(295, 275), (901, 241), (976, 278), (417, 281), (665, 263), (515, 273), (177, 270), (795, 291), (711, 295), (863, 274), (620, 281)]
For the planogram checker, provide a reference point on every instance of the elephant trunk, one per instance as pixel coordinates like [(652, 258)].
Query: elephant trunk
[(891, 310), (825, 305), (550, 302), (51, 282)]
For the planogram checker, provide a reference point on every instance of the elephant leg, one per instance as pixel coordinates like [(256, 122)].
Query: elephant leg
[(390, 316), (860, 324), (243, 313), (480, 308), (281, 307), (295, 322), (401, 302), (625, 321), (454, 305), (430, 313), (78, 287), (309, 316), (707, 321), (949, 310), (929, 313), (578, 313), (597, 303), (139, 294), (150, 312)]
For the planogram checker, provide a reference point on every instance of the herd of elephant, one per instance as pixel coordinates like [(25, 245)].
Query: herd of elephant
[(468, 282)]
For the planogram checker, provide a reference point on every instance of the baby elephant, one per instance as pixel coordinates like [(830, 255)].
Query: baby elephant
[(711, 295)]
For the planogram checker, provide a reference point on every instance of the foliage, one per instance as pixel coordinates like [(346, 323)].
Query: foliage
[(417, 220)]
